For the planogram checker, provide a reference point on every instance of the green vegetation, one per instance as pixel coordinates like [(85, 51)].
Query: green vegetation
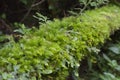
[(107, 66), (25, 9), (58, 46)]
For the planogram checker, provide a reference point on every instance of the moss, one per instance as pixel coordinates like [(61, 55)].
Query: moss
[(58, 46)]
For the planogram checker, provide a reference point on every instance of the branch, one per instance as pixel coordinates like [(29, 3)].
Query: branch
[(29, 10), (38, 3)]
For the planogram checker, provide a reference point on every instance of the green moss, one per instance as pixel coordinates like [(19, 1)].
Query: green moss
[(58, 46)]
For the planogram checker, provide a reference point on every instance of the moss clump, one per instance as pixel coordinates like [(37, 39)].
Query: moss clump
[(58, 46)]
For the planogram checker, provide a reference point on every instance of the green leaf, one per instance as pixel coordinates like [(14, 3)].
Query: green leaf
[(114, 49), (47, 71), (93, 4), (4, 75), (106, 58)]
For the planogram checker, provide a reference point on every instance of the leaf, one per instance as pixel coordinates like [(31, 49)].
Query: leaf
[(16, 67), (114, 49), (106, 58), (19, 31), (113, 63), (93, 4), (111, 76), (47, 71), (118, 68), (83, 1), (41, 18), (4, 75)]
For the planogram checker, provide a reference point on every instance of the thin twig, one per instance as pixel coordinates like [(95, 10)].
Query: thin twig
[(29, 10), (25, 16), (38, 3)]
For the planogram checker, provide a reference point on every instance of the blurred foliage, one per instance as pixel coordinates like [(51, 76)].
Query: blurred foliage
[(50, 8), (107, 65), (58, 46), (41, 18)]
